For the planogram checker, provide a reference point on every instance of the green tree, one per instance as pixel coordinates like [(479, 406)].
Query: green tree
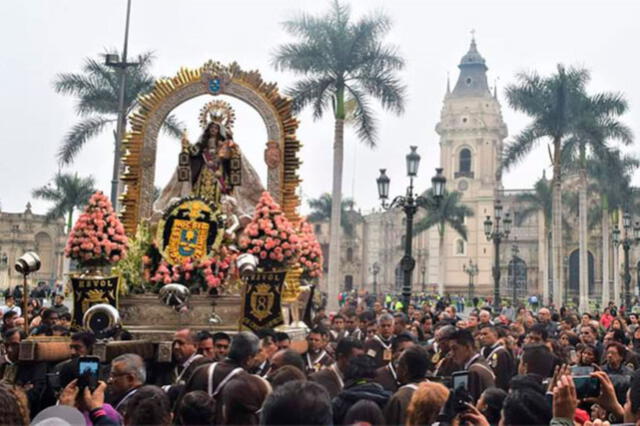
[(68, 193), (341, 62), (96, 89), (596, 125), (448, 211), (321, 212), (611, 179), (552, 103)]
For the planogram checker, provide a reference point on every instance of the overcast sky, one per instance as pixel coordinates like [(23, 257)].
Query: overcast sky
[(41, 38)]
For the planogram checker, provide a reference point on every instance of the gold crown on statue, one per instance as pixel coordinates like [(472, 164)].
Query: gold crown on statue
[(219, 112)]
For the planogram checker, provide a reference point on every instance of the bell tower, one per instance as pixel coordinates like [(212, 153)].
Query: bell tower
[(471, 132)]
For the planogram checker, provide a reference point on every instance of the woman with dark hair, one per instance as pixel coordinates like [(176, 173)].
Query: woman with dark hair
[(588, 356), (490, 404), (364, 412), (242, 399), (148, 406)]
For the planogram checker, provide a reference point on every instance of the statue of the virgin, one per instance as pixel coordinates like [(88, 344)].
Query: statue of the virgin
[(214, 167)]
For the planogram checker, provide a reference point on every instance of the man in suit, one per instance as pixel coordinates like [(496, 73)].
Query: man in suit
[(185, 355), (317, 356), (464, 352), (379, 346), (499, 358), (332, 378), (412, 369), (212, 377)]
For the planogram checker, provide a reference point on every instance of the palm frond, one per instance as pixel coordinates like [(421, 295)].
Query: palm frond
[(522, 144), (173, 127), (79, 134), (311, 91), (363, 117)]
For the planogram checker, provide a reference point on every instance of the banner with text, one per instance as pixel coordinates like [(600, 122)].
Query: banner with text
[(90, 291)]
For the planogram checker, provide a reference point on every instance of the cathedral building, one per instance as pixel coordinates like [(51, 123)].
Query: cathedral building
[(26, 231), (472, 135)]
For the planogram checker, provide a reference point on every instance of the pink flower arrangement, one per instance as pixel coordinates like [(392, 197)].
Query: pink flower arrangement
[(310, 259), (270, 236), (212, 272), (98, 237)]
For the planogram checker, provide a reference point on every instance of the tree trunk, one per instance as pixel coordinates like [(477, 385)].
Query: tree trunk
[(616, 266), (335, 230), (583, 262), (556, 229), (605, 254), (442, 262), (70, 221)]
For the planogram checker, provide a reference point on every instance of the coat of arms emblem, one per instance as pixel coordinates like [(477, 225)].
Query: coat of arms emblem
[(190, 229), (262, 300)]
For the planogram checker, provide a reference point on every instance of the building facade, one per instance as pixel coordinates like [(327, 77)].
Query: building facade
[(26, 231), (472, 134)]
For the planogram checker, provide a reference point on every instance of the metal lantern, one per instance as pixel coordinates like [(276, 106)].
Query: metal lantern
[(438, 182), (507, 223), (498, 209), (616, 235), (413, 161), (488, 225), (383, 184), (626, 220)]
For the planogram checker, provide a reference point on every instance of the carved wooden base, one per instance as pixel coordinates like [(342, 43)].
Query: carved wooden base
[(145, 316)]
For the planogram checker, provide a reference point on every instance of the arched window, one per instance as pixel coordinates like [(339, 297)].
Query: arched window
[(464, 161), (349, 254)]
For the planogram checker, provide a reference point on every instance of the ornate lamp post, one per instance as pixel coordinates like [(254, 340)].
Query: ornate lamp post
[(627, 241), (514, 256), (472, 271), (495, 233), (409, 203), (376, 270)]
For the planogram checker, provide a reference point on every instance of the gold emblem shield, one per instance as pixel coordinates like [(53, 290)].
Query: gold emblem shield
[(262, 300), (189, 229)]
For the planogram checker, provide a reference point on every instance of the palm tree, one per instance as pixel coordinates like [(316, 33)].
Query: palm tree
[(596, 124), (321, 212), (96, 89), (540, 199), (69, 192), (342, 61), (612, 181), (448, 211), (551, 102)]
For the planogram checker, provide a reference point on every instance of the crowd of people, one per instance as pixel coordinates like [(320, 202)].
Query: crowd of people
[(367, 364)]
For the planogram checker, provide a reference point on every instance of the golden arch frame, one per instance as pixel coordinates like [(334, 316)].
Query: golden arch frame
[(213, 78)]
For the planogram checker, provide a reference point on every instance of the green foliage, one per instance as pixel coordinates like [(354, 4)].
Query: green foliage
[(540, 199), (552, 103), (68, 192), (321, 212), (131, 267), (449, 211), (343, 61), (96, 90)]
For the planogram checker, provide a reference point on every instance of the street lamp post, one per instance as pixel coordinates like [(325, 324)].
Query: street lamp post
[(627, 241), (471, 270), (424, 281), (375, 269), (514, 256), (112, 60), (409, 203), (495, 233)]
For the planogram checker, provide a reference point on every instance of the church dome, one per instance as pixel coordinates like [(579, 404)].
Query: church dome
[(472, 81)]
